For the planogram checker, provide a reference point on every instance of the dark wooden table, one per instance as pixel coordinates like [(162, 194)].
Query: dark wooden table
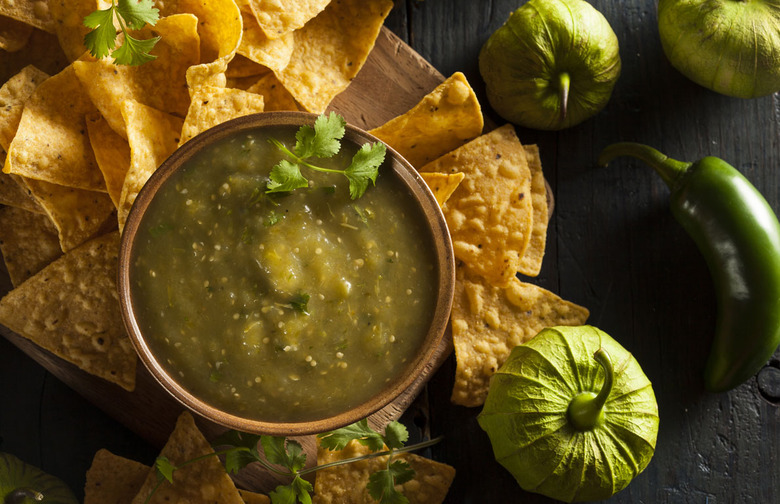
[(612, 246)]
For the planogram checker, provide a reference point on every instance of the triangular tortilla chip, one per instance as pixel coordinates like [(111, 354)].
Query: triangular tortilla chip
[(442, 185), (253, 497), (203, 482), (272, 53), (112, 153), (160, 83), (488, 322), (14, 193), (275, 95), (490, 214), (331, 49), (77, 214), (153, 136), (68, 17), (112, 479), (28, 242), (51, 142), (13, 95), (280, 17), (214, 105), (32, 13), (443, 120), (346, 483), (531, 262), (219, 25), (71, 308)]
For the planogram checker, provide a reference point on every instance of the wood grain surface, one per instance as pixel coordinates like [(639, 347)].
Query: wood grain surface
[(612, 246)]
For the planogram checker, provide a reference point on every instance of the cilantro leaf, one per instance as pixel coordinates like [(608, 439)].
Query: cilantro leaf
[(244, 449), (135, 51), (338, 439), (300, 303), (137, 13), (286, 176), (164, 468), (396, 434), (381, 484), (283, 452), (297, 491), (364, 168), (102, 38)]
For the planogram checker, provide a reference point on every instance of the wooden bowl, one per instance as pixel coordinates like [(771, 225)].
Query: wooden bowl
[(435, 227)]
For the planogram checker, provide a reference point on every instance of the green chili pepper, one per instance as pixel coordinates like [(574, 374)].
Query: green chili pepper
[(738, 234)]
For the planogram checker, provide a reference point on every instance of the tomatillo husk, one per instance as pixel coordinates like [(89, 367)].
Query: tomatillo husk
[(728, 46), (552, 65), (571, 415)]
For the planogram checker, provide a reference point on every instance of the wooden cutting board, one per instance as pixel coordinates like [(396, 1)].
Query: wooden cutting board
[(392, 81)]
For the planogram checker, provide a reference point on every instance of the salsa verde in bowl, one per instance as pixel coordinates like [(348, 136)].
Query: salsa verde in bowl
[(283, 311)]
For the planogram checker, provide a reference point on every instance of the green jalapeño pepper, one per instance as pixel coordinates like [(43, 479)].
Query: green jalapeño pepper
[(738, 234)]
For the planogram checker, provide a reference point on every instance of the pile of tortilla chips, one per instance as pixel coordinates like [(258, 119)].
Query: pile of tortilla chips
[(79, 137), (113, 479)]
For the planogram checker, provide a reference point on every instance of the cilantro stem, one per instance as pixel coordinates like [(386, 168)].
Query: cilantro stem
[(395, 451), (302, 161)]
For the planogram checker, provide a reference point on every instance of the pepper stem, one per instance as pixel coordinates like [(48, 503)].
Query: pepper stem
[(564, 83), (21, 495), (669, 169), (586, 409)]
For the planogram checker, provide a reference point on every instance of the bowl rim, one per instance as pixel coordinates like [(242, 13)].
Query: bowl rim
[(438, 232)]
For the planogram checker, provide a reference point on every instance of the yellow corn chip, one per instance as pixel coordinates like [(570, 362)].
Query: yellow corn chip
[(13, 95), (346, 484), (331, 49), (153, 136), (490, 213), (32, 12), (68, 17), (257, 47), (442, 185), (51, 142), (160, 83), (214, 105), (14, 193), (203, 482), (252, 497), (13, 34), (71, 308), (28, 242), (443, 120), (112, 153), (219, 25), (531, 262), (241, 66), (207, 74), (275, 95), (279, 17), (112, 479), (77, 214), (488, 322)]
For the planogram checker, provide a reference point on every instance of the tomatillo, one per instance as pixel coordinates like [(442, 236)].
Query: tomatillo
[(21, 483), (571, 415), (552, 65)]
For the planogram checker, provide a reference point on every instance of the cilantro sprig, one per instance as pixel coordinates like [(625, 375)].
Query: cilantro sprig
[(323, 140), (130, 15), (286, 457)]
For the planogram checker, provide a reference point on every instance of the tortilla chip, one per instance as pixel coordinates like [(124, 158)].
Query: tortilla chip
[(488, 322), (442, 185), (241, 66), (153, 136), (443, 120), (51, 142), (71, 308), (280, 17), (531, 262), (252, 497), (28, 242), (13, 95), (112, 153), (34, 13), (346, 483), (331, 49), (207, 74), (214, 105), (14, 193), (112, 479), (77, 214), (13, 34), (160, 83), (219, 25), (490, 213), (270, 53), (203, 482), (68, 16), (42, 50), (275, 95)]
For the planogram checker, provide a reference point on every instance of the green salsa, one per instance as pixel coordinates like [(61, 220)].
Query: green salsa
[(281, 307)]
